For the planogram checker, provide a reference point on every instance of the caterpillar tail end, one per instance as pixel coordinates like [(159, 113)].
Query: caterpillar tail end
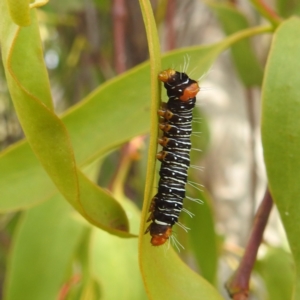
[(160, 239)]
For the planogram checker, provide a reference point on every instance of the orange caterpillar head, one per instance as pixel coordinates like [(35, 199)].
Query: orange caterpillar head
[(160, 239), (190, 92)]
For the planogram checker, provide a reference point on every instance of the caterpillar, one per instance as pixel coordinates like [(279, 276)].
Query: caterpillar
[(167, 204)]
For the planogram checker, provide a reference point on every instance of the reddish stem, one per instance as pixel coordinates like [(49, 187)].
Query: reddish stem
[(119, 13), (266, 11), (238, 285), (250, 108), (171, 36)]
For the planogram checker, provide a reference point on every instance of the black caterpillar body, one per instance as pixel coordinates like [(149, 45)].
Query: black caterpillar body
[(167, 204)]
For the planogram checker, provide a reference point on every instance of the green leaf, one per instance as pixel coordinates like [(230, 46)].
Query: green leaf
[(115, 265), (281, 131), (244, 58), (167, 277), (202, 235), (28, 83), (276, 270), (42, 251)]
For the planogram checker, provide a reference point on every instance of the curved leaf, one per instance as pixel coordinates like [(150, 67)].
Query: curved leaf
[(281, 131), (167, 277), (29, 87)]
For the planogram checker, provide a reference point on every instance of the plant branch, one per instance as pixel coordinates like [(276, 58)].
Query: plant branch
[(245, 33), (250, 108), (238, 284), (171, 34), (119, 15)]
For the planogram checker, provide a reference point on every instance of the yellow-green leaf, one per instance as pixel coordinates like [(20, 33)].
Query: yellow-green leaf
[(281, 131), (28, 84), (202, 236)]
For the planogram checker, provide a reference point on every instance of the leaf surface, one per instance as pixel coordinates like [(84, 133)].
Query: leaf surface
[(281, 131), (28, 84), (42, 251)]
